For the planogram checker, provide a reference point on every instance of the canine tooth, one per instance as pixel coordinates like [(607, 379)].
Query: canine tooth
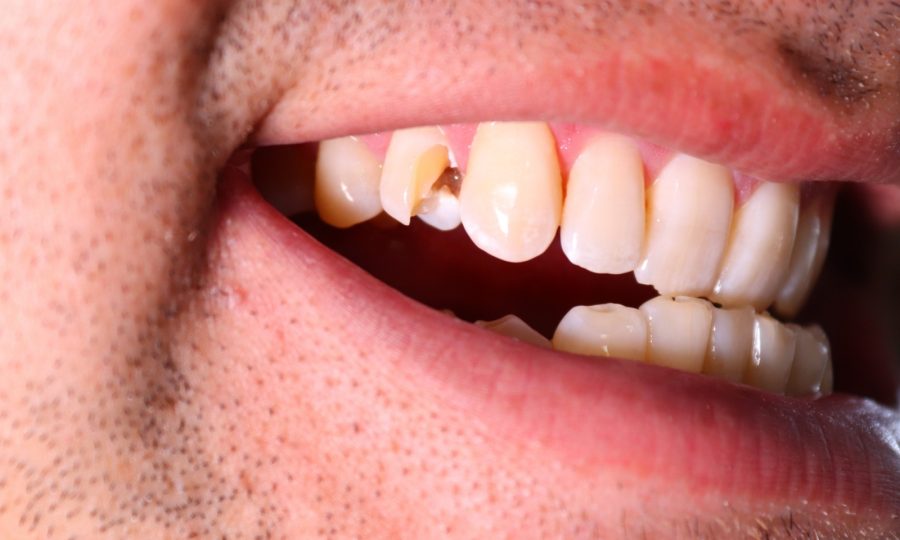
[(440, 210), (603, 330), (689, 209), (811, 357), (773, 354), (730, 343), (603, 215), (679, 331), (511, 199), (346, 187), (759, 250), (415, 159), (514, 327)]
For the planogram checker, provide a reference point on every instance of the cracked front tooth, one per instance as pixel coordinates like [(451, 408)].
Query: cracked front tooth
[(770, 364), (415, 159), (759, 249), (811, 357), (514, 327), (730, 343), (689, 209), (346, 187), (440, 210), (511, 198), (679, 332), (603, 330), (603, 215)]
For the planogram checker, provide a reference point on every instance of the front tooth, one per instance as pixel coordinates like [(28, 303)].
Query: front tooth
[(811, 357), (440, 210), (511, 199), (514, 327), (346, 187), (604, 330), (759, 249), (730, 343), (603, 216), (415, 159), (773, 354), (679, 332), (688, 218)]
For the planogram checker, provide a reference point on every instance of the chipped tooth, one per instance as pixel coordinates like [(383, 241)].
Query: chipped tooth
[(759, 249), (679, 332), (603, 330), (415, 159), (811, 357), (511, 199), (730, 343), (603, 215), (689, 209), (516, 328), (346, 187), (773, 354), (440, 210)]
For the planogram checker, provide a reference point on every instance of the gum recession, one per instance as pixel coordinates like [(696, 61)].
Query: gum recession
[(671, 428)]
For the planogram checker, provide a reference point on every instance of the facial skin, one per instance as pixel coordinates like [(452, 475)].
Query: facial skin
[(177, 362)]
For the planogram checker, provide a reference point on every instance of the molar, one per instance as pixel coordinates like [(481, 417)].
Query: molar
[(811, 359)]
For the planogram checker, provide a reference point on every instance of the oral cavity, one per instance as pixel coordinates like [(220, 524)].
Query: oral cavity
[(720, 248)]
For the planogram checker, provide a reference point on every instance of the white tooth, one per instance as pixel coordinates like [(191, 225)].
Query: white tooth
[(759, 250), (346, 188), (514, 327), (688, 218), (773, 354), (811, 357), (440, 210), (679, 332), (810, 249), (415, 159), (730, 343), (603, 216), (511, 198), (604, 330)]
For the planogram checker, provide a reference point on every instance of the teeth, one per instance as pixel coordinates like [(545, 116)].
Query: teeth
[(811, 358), (604, 330), (688, 218), (679, 332), (827, 385), (774, 345), (440, 210), (603, 216), (511, 198), (346, 187), (730, 343), (415, 159), (759, 249), (514, 327)]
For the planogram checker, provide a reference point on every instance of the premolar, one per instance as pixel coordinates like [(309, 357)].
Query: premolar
[(679, 332), (346, 185), (774, 345), (603, 330), (730, 343), (811, 359)]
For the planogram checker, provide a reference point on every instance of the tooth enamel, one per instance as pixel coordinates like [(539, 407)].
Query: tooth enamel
[(730, 343), (679, 332), (774, 345), (811, 357), (511, 199), (604, 330), (415, 159), (440, 210), (346, 187), (759, 249), (514, 327), (603, 216), (810, 249), (688, 219)]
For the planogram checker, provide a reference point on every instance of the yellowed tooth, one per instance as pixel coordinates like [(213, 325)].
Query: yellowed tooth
[(511, 198), (759, 249), (603, 215), (689, 210), (415, 159), (730, 343), (811, 358), (808, 257), (679, 332), (604, 330), (346, 187), (774, 345), (514, 327)]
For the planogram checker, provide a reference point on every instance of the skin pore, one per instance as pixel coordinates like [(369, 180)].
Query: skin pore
[(168, 375)]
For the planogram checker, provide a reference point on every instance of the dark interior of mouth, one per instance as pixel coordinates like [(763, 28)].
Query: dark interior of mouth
[(446, 271)]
